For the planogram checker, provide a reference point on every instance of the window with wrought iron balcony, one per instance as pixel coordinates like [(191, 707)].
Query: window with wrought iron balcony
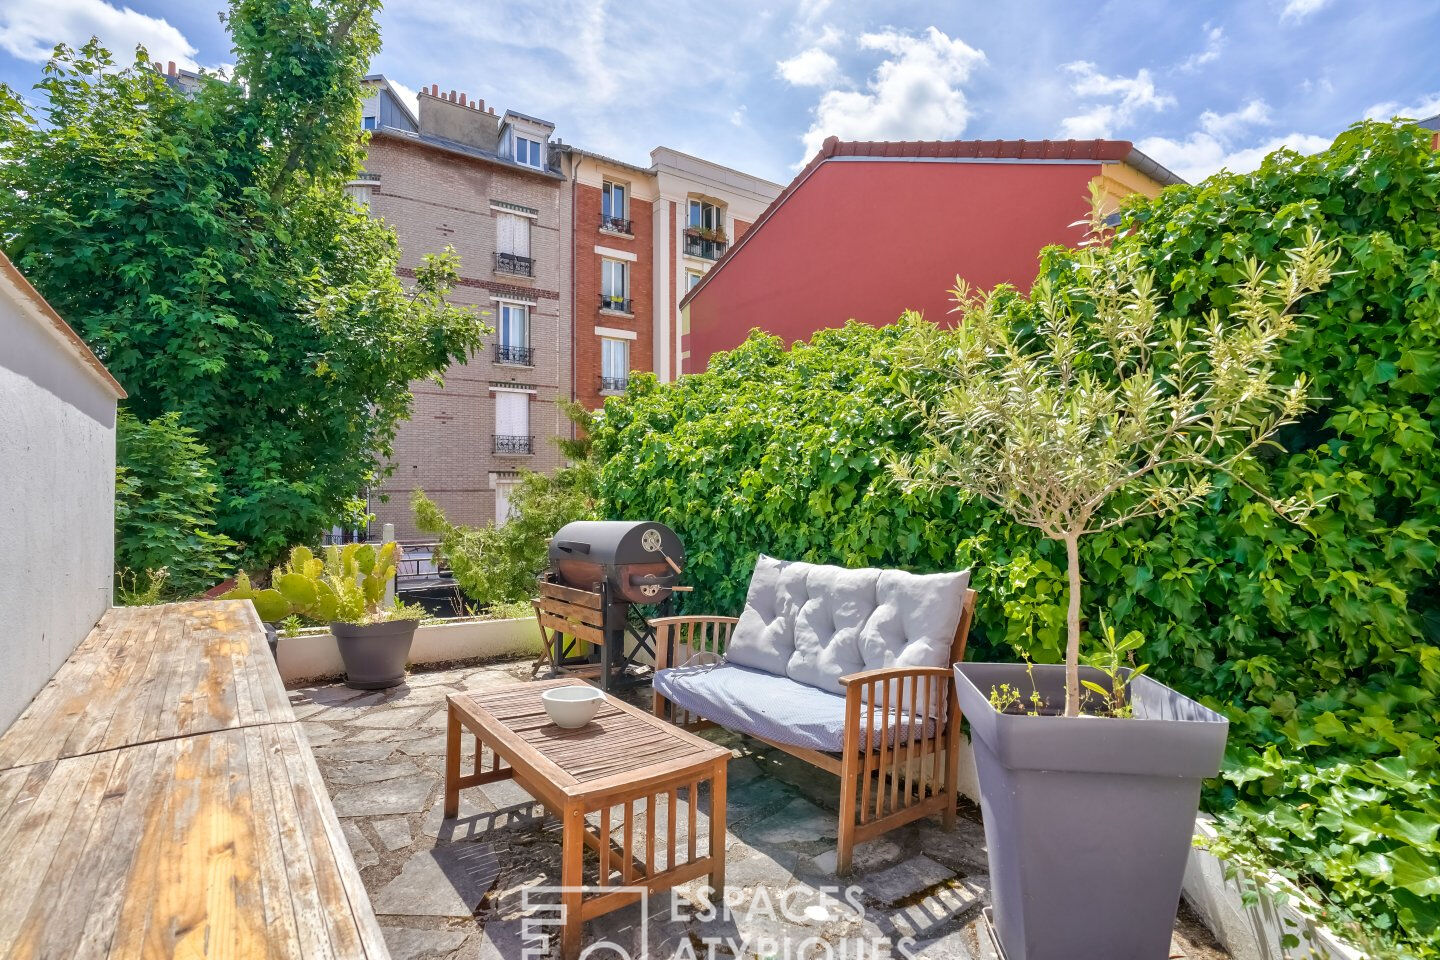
[(614, 365), (513, 346), (698, 245), (514, 265), (615, 286), (514, 356), (514, 446), (705, 231), (615, 304), (615, 208)]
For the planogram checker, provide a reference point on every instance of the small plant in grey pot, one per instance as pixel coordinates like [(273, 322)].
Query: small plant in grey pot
[(1078, 410), (347, 590)]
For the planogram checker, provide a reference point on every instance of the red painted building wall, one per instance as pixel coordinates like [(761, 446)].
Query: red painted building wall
[(588, 315), (868, 239)]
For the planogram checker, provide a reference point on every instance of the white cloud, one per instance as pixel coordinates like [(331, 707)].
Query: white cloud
[(810, 68), (1214, 42), (1219, 143), (737, 116), (1422, 109), (29, 30), (1224, 126), (830, 36), (812, 10), (915, 93), (1297, 10), (1126, 97), (406, 95)]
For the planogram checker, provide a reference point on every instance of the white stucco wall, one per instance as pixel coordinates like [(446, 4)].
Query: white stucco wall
[(57, 494)]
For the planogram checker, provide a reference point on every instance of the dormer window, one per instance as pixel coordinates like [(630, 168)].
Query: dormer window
[(527, 151)]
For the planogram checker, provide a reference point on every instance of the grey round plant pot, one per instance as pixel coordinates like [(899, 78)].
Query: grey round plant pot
[(374, 653), (1088, 820)]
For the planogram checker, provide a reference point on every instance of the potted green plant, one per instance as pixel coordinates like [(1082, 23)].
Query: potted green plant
[(1082, 409), (346, 590)]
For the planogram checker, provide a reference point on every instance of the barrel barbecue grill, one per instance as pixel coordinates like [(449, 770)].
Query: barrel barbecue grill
[(600, 572)]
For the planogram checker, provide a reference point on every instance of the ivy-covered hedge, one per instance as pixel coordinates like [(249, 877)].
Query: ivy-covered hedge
[(1323, 647)]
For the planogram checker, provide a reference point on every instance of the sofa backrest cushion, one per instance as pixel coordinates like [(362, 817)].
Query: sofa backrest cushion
[(764, 639), (815, 623)]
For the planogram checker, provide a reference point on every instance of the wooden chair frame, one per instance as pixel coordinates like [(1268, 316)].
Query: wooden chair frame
[(888, 778)]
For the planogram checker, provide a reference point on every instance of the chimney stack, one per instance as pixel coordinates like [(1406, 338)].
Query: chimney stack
[(171, 68), (478, 126)]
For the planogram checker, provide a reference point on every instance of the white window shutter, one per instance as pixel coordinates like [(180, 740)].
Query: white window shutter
[(507, 235), (512, 414), (522, 236)]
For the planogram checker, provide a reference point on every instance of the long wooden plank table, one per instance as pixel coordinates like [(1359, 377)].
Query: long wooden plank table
[(167, 804), (153, 673), (623, 758)]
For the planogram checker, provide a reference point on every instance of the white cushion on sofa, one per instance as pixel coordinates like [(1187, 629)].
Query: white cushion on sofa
[(815, 623)]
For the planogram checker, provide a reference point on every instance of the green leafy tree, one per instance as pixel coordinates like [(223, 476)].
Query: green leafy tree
[(1093, 405), (165, 494), (204, 246)]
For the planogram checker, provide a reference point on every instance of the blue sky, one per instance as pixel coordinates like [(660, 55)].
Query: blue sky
[(758, 85)]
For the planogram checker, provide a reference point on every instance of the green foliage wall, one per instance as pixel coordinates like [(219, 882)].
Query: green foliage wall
[(165, 494), (1322, 647)]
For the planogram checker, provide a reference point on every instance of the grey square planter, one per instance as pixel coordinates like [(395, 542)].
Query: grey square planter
[(1088, 820)]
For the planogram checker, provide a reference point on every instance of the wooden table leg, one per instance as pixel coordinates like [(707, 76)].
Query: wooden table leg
[(717, 828), (452, 761), (572, 860)]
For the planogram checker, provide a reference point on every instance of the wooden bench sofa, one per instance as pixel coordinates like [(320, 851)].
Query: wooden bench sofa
[(850, 670), (159, 799)]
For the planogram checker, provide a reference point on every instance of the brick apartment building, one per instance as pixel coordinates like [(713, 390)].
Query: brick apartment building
[(578, 261), (460, 175), (642, 237)]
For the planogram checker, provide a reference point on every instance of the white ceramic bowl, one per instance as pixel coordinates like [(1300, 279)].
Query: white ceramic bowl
[(572, 707)]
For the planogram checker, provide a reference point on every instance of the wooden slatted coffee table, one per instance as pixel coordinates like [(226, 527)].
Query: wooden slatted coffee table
[(623, 758)]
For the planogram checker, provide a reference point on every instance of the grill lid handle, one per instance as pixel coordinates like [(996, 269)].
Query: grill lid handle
[(572, 546)]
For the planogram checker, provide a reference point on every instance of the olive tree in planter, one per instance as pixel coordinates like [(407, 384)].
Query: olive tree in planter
[(1087, 408), (347, 590)]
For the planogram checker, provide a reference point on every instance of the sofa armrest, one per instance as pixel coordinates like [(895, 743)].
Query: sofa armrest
[(882, 673), (677, 639), (906, 692)]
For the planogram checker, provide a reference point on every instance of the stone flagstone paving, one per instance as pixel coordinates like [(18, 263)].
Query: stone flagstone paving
[(455, 889)]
